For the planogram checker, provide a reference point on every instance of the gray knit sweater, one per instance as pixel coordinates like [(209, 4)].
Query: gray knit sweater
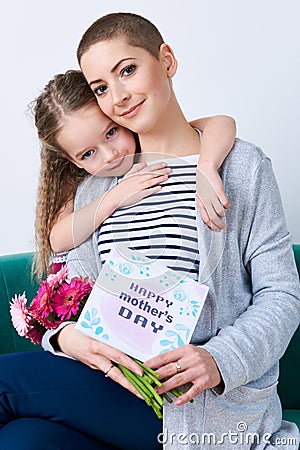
[(249, 317)]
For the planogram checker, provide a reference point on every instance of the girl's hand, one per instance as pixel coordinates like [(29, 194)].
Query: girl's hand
[(140, 182), (197, 366), (97, 355), (211, 197)]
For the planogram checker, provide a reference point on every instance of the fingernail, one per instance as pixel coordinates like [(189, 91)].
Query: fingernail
[(177, 402)]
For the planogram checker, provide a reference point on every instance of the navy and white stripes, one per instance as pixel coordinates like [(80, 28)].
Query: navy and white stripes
[(162, 226)]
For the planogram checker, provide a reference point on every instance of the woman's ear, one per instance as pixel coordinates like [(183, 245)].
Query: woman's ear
[(167, 57)]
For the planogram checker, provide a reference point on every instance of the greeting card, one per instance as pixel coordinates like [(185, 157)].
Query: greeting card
[(140, 306)]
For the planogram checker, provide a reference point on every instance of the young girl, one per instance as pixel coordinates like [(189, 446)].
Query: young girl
[(78, 139)]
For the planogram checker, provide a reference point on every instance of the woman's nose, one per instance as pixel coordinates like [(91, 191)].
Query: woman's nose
[(120, 94)]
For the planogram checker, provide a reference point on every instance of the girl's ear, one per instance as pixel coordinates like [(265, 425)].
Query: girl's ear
[(167, 57)]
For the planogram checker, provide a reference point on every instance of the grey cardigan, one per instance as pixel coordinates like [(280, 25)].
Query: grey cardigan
[(250, 314)]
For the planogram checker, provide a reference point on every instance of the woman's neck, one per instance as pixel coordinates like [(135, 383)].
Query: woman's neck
[(172, 136)]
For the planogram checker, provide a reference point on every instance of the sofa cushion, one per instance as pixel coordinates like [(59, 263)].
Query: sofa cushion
[(15, 278)]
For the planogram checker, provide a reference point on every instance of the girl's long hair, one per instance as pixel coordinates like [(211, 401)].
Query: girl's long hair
[(59, 178)]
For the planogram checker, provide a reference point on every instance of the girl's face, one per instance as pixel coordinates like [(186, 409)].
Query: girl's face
[(97, 144), (131, 86)]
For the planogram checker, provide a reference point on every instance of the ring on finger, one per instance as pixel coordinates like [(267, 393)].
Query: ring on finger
[(106, 374), (178, 366)]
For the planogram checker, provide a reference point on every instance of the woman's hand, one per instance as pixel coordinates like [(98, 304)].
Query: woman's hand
[(186, 364), (140, 182), (97, 355), (211, 197)]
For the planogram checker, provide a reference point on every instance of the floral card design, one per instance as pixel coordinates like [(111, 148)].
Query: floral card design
[(140, 306)]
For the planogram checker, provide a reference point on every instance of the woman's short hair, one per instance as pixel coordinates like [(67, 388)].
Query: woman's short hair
[(138, 32)]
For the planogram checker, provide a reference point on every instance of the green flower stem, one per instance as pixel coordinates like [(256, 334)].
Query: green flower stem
[(149, 372), (132, 380), (144, 387), (157, 411), (144, 384), (153, 392), (147, 378), (165, 395), (153, 379), (176, 392), (141, 391), (147, 369)]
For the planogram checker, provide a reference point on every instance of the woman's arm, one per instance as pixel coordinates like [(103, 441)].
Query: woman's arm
[(218, 138), (74, 227), (97, 355), (257, 339)]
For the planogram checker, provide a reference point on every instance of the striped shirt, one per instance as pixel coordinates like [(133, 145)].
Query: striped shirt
[(161, 226)]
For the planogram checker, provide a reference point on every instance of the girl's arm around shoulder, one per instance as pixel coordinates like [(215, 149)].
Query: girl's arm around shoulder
[(72, 228), (219, 133), (218, 138)]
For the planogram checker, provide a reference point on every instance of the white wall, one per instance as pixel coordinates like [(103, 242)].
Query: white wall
[(241, 58)]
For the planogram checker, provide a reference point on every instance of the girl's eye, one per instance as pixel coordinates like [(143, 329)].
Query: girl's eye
[(111, 132), (88, 154), (129, 70), (100, 90)]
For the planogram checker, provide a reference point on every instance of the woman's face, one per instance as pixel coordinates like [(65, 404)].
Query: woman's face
[(131, 86), (97, 144)]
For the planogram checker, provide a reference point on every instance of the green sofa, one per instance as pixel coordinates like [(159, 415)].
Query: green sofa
[(15, 278)]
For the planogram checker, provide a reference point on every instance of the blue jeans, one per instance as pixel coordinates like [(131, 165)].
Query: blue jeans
[(51, 402)]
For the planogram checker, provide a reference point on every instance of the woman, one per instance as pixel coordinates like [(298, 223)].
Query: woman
[(252, 309)]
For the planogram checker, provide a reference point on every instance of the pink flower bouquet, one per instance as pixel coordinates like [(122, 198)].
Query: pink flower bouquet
[(58, 299)]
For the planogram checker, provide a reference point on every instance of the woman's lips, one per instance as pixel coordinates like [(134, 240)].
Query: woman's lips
[(132, 111)]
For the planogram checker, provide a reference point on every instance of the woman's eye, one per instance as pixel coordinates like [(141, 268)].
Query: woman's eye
[(100, 90), (88, 154), (129, 69), (111, 132)]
